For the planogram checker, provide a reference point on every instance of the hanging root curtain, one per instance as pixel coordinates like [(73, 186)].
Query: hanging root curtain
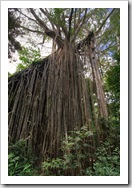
[(47, 100)]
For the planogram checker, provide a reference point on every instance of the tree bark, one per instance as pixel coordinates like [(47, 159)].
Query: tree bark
[(97, 77)]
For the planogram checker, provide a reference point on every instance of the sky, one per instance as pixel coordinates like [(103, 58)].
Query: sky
[(29, 39), (45, 50)]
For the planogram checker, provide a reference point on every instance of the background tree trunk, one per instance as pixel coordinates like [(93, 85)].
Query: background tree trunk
[(97, 78)]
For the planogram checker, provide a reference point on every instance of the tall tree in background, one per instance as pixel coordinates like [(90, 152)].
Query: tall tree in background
[(50, 98)]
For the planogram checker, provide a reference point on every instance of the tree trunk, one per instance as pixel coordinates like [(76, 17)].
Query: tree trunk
[(97, 78), (51, 99)]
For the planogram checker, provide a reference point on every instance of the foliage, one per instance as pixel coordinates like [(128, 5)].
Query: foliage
[(75, 155), (113, 77), (57, 16), (113, 86), (75, 158), (20, 161), (107, 155), (13, 31), (77, 150), (9, 74), (53, 167), (27, 56), (107, 163)]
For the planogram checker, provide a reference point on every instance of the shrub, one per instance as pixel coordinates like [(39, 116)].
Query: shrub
[(75, 157), (77, 154), (107, 163), (20, 160)]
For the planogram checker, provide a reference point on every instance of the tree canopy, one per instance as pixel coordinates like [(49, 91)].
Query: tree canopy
[(71, 25)]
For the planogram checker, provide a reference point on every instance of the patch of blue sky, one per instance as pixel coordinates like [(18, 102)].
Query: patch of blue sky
[(107, 24), (111, 53), (109, 9), (109, 43), (103, 47), (82, 14)]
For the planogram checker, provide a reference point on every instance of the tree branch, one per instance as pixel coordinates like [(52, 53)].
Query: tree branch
[(34, 31), (97, 32), (70, 19), (46, 13), (115, 45), (79, 27), (53, 25), (48, 32), (64, 29), (41, 23), (25, 15)]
